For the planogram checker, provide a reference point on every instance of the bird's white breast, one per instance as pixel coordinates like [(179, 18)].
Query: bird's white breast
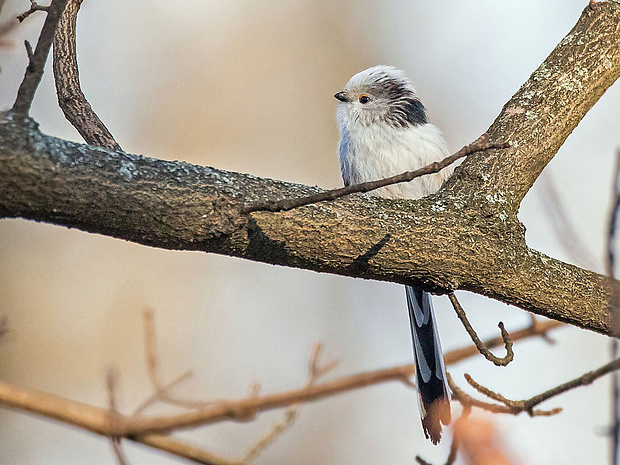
[(377, 151)]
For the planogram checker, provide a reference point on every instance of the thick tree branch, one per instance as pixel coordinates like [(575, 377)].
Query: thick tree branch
[(466, 236), (545, 110), (71, 99), (181, 206)]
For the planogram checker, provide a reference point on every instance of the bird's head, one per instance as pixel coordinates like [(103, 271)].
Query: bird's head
[(381, 94)]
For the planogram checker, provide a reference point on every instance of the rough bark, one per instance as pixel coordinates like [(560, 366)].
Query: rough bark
[(71, 100), (467, 236)]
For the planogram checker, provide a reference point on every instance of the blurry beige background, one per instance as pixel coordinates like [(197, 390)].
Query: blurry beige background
[(247, 85)]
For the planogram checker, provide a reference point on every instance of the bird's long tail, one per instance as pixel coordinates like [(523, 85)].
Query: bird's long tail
[(433, 389)]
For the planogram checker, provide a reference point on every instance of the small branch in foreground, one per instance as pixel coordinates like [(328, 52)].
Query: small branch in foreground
[(515, 407), (34, 6), (503, 361), (34, 70), (468, 401), (480, 145), (71, 99)]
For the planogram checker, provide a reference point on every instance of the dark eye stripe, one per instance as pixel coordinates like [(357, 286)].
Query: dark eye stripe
[(406, 112)]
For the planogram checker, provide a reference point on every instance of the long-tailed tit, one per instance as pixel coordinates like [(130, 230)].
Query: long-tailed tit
[(383, 132)]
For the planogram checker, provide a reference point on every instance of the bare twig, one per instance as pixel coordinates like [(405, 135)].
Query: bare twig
[(503, 361), (534, 323), (162, 393), (71, 99), (468, 401), (536, 328), (34, 70), (30, 55), (97, 420), (158, 394), (316, 370), (611, 272), (480, 145), (242, 409), (114, 417), (516, 407), (184, 450), (34, 6)]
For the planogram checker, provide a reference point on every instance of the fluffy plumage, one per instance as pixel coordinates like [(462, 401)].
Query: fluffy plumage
[(384, 131)]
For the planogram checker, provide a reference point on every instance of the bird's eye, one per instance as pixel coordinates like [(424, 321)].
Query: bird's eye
[(364, 98)]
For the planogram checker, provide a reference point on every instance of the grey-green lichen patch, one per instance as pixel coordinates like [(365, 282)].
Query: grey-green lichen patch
[(127, 170)]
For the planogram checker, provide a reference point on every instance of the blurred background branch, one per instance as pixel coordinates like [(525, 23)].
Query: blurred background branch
[(112, 423)]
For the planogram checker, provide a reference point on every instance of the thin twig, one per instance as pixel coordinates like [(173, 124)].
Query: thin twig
[(503, 361), (611, 272), (114, 417), (71, 99), (162, 393), (243, 409), (97, 420), (536, 328), (515, 407), (480, 145), (30, 55), (184, 450), (534, 323), (158, 395), (468, 401), (34, 70), (316, 370), (34, 6)]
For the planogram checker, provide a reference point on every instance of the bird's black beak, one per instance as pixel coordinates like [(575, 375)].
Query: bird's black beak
[(342, 96)]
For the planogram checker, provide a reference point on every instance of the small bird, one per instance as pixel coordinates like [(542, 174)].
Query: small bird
[(384, 131)]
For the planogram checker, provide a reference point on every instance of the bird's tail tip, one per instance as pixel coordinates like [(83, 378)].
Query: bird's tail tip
[(437, 413)]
